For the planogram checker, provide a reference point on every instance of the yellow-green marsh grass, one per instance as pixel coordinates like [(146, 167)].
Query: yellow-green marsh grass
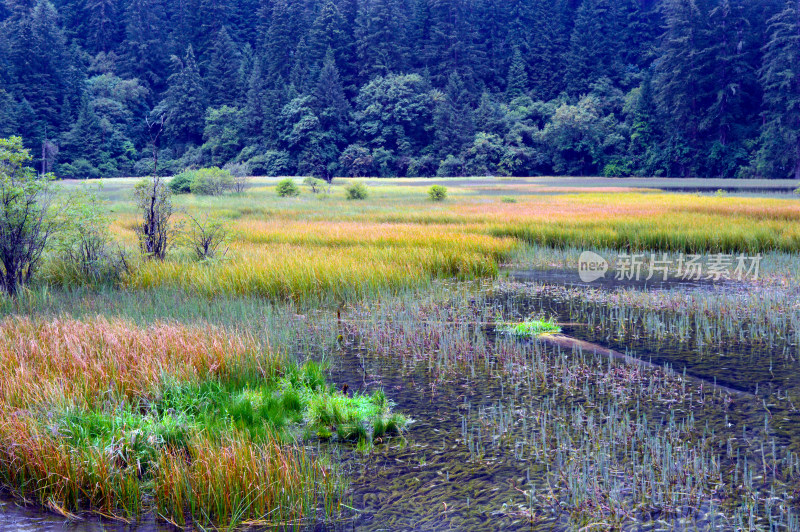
[(324, 245), (69, 390), (87, 362)]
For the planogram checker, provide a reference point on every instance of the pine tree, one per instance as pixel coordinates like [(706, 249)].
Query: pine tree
[(454, 124), (331, 104), (185, 100), (281, 41), (144, 51), (779, 155), (43, 70), (378, 39), (329, 31), (102, 25), (593, 50), (679, 79), (223, 70), (547, 45), (517, 77)]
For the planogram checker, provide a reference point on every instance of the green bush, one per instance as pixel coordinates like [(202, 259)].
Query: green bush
[(797, 191), (437, 193), (315, 184), (212, 182), (182, 183), (287, 188), (356, 191)]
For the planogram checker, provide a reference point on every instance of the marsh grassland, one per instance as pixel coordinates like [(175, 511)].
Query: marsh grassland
[(398, 363)]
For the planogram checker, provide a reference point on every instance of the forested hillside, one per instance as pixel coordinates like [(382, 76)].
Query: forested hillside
[(406, 87)]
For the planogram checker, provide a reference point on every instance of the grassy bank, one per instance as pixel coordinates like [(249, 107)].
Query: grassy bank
[(101, 415)]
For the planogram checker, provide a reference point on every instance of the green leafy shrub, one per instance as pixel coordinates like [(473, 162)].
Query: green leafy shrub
[(182, 183), (356, 191), (287, 188), (437, 193), (212, 182), (315, 184), (508, 199)]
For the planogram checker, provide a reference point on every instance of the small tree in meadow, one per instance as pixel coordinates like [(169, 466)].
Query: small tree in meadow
[(437, 193), (316, 184), (356, 191), (27, 216), (212, 182), (287, 188)]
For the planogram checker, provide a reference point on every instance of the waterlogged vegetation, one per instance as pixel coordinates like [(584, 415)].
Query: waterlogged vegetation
[(108, 417), (528, 328), (384, 364)]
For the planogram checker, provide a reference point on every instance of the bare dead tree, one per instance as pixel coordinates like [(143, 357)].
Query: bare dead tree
[(156, 232), (154, 131)]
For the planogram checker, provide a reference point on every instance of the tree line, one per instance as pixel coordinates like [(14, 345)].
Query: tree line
[(705, 88)]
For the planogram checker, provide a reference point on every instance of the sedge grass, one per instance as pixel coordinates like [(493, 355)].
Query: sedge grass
[(103, 416)]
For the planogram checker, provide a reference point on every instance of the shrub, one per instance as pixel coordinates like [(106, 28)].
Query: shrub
[(212, 182), (287, 188), (182, 183), (27, 219), (85, 245), (797, 190), (241, 176), (315, 184), (508, 199), (206, 237), (356, 191), (437, 193)]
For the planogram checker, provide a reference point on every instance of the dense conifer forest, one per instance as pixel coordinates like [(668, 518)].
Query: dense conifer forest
[(705, 88)]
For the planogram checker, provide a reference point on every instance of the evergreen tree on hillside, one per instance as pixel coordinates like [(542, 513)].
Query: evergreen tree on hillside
[(145, 53), (378, 39), (779, 155), (331, 104), (454, 122), (101, 25), (281, 40), (729, 81), (594, 46), (223, 70), (185, 100), (547, 46), (43, 69), (517, 77), (679, 79)]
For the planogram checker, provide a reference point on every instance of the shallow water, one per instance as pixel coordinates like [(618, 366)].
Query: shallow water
[(431, 479)]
